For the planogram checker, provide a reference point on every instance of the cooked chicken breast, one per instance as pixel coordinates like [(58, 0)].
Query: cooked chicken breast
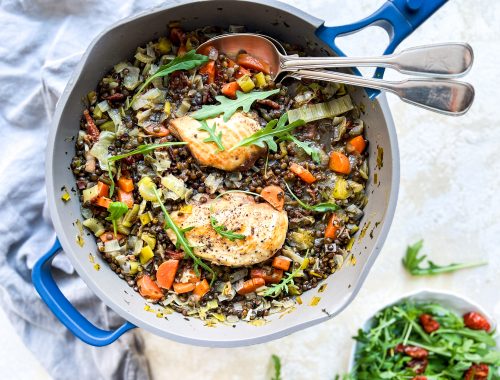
[(263, 226), (238, 127)]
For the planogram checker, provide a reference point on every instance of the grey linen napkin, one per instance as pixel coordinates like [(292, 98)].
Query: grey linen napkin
[(42, 41)]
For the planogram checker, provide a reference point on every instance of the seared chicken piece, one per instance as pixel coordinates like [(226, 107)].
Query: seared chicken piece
[(264, 229), (238, 127)]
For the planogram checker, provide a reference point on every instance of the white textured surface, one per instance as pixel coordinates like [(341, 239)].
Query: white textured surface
[(448, 196)]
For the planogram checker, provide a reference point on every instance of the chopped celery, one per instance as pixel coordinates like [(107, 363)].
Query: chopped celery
[(319, 111), (246, 83), (146, 255), (145, 219), (95, 226), (66, 197), (146, 185), (167, 108), (92, 97), (107, 126), (164, 45), (90, 194), (340, 190), (260, 78), (134, 267), (149, 239), (121, 228), (131, 216)]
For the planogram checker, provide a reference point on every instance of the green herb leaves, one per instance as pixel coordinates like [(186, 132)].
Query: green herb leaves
[(265, 137), (286, 282), (412, 263), (310, 150), (214, 136), (224, 232), (277, 367), (116, 211), (319, 207), (227, 107), (188, 61), (181, 238)]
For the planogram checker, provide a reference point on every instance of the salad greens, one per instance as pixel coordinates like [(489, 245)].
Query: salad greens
[(286, 282), (388, 349), (214, 136), (412, 263), (188, 61), (319, 207), (228, 107), (116, 211), (277, 367)]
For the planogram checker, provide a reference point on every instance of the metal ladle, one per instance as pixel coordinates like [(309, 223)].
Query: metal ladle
[(449, 97)]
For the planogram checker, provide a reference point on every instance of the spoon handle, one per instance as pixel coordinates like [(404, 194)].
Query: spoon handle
[(448, 97), (444, 60)]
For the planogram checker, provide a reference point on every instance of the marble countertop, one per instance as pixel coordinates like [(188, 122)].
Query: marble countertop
[(448, 196)]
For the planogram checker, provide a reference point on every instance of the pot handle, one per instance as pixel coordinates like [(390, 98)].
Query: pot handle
[(399, 18), (70, 317)]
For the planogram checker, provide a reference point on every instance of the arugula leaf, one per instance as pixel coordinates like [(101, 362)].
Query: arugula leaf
[(181, 238), (228, 107), (412, 263), (116, 211), (319, 207), (277, 367), (141, 149), (310, 150), (265, 136), (214, 137), (188, 61), (224, 232), (276, 289)]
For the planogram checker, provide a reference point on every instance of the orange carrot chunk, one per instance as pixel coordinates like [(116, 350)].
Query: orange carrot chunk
[(252, 63), (209, 70), (242, 72), (201, 289), (281, 262), (165, 274), (272, 277), (103, 202), (301, 172), (107, 236), (157, 130), (332, 227), (251, 285), (126, 184), (339, 163), (229, 89), (274, 195), (356, 144), (126, 197), (148, 288), (183, 287), (102, 189)]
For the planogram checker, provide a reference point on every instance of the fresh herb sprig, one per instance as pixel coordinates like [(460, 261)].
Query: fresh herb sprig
[(412, 263), (141, 149), (274, 129), (116, 211), (214, 136), (310, 150), (283, 286), (182, 240), (188, 61), (227, 107), (319, 207), (224, 232), (277, 367)]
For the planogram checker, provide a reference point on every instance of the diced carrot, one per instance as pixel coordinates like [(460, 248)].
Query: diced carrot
[(332, 227), (229, 89), (274, 195), (251, 285), (126, 184), (339, 163), (252, 63), (356, 144), (148, 288), (270, 277), (281, 262), (242, 72), (126, 197), (201, 289), (103, 202), (209, 70), (304, 174), (165, 274), (102, 189), (208, 50), (183, 287), (161, 131), (175, 255), (107, 236)]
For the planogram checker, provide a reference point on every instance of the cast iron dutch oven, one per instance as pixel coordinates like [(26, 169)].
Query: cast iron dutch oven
[(283, 22)]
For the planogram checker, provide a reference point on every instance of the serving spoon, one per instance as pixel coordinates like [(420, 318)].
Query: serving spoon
[(445, 60)]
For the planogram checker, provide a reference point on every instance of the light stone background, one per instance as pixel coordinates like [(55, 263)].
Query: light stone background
[(450, 178)]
